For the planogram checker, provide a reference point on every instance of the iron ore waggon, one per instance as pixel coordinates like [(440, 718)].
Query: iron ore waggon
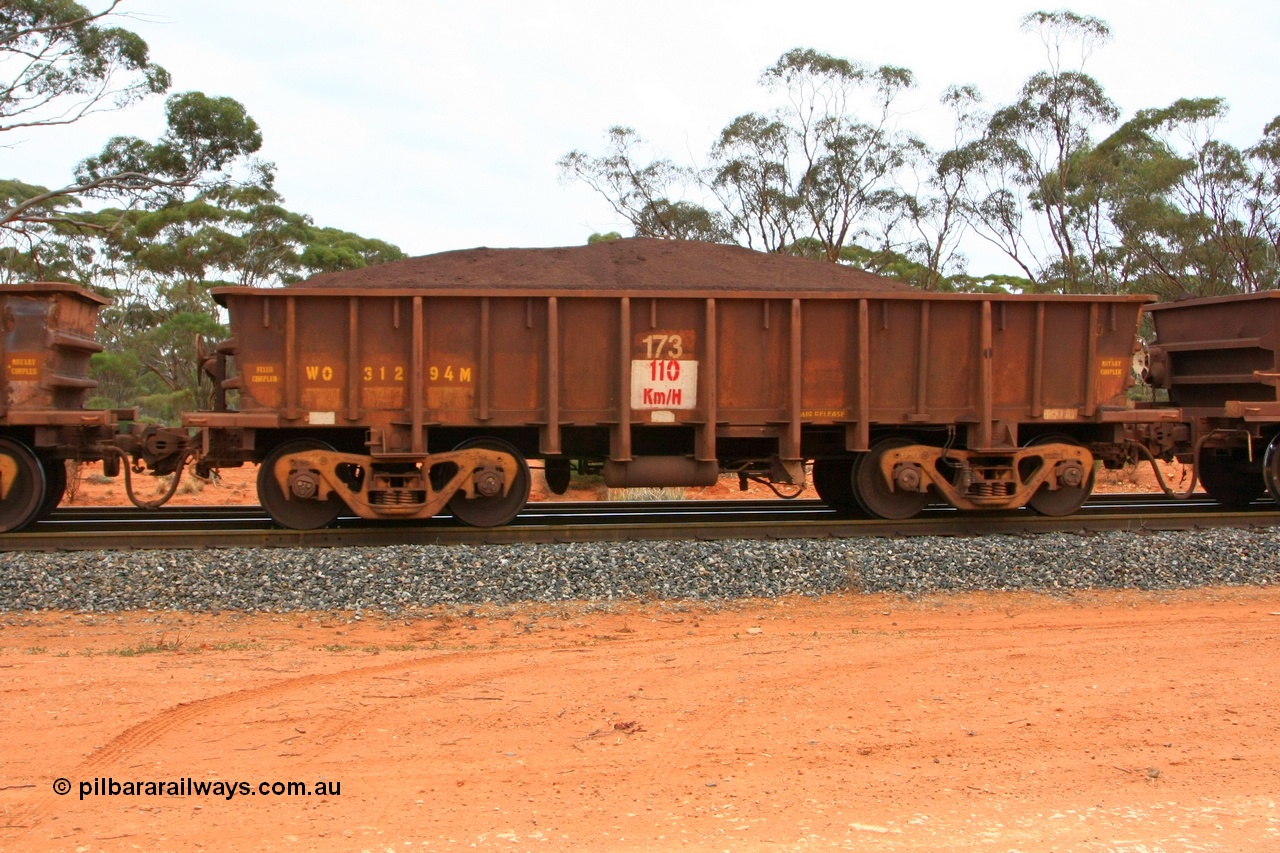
[(47, 336), (431, 392), (1219, 359)]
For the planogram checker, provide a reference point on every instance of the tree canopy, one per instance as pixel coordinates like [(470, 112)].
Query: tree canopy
[(155, 224), (1077, 197)]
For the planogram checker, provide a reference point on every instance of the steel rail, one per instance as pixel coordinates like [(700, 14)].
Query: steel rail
[(89, 528)]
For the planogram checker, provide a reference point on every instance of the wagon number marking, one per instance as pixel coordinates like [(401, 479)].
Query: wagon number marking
[(435, 373), (663, 347), (397, 376)]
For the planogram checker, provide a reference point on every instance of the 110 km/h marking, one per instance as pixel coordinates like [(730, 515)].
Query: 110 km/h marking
[(664, 384)]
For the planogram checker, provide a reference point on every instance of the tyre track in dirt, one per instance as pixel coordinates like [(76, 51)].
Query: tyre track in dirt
[(223, 711), (150, 731)]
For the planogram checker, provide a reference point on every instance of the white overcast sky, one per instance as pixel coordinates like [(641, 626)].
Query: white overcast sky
[(437, 125)]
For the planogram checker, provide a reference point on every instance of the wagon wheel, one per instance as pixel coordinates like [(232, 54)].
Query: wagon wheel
[(875, 495), (1066, 499), (833, 481), (27, 491), (288, 510), (558, 473), (55, 487), (1271, 468), (1229, 477), (500, 509)]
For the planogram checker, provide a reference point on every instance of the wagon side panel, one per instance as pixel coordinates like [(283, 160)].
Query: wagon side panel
[(1221, 351), (46, 340)]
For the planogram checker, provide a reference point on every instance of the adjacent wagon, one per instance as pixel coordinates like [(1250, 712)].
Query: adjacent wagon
[(1219, 360), (47, 336)]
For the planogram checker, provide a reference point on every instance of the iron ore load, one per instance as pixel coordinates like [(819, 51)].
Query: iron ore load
[(403, 390)]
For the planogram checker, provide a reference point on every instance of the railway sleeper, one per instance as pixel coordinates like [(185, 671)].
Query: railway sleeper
[(986, 479), (406, 489)]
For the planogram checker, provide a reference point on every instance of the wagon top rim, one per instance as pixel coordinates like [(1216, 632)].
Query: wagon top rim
[(44, 287), (701, 293)]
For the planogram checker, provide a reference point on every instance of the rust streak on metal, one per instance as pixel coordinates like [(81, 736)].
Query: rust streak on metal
[(795, 383), (483, 366), (291, 410), (710, 415), (353, 359), (622, 452), (863, 438), (986, 390), (551, 434), (1037, 365), (1091, 364), (922, 365), (417, 377)]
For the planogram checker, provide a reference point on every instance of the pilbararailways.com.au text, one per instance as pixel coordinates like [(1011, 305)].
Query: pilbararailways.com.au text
[(106, 786)]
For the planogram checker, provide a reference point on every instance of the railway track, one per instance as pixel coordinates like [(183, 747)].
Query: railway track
[(126, 528)]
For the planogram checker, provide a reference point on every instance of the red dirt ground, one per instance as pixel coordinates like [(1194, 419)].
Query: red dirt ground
[(1116, 721)]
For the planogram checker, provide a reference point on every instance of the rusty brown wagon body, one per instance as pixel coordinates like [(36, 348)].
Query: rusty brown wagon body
[(398, 402), (1219, 359), (47, 336)]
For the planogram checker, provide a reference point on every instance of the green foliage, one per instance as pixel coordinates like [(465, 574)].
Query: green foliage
[(160, 265), (901, 267), (813, 169), (1078, 201), (845, 164), (67, 64), (120, 378), (185, 213), (642, 194), (332, 250), (63, 63), (750, 175)]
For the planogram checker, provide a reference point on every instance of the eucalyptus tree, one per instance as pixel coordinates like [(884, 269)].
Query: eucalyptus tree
[(935, 209), (1156, 180), (1239, 192), (839, 113), (1027, 165), (1263, 205), (822, 167), (1191, 214), (750, 174), (59, 62), (649, 196)]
